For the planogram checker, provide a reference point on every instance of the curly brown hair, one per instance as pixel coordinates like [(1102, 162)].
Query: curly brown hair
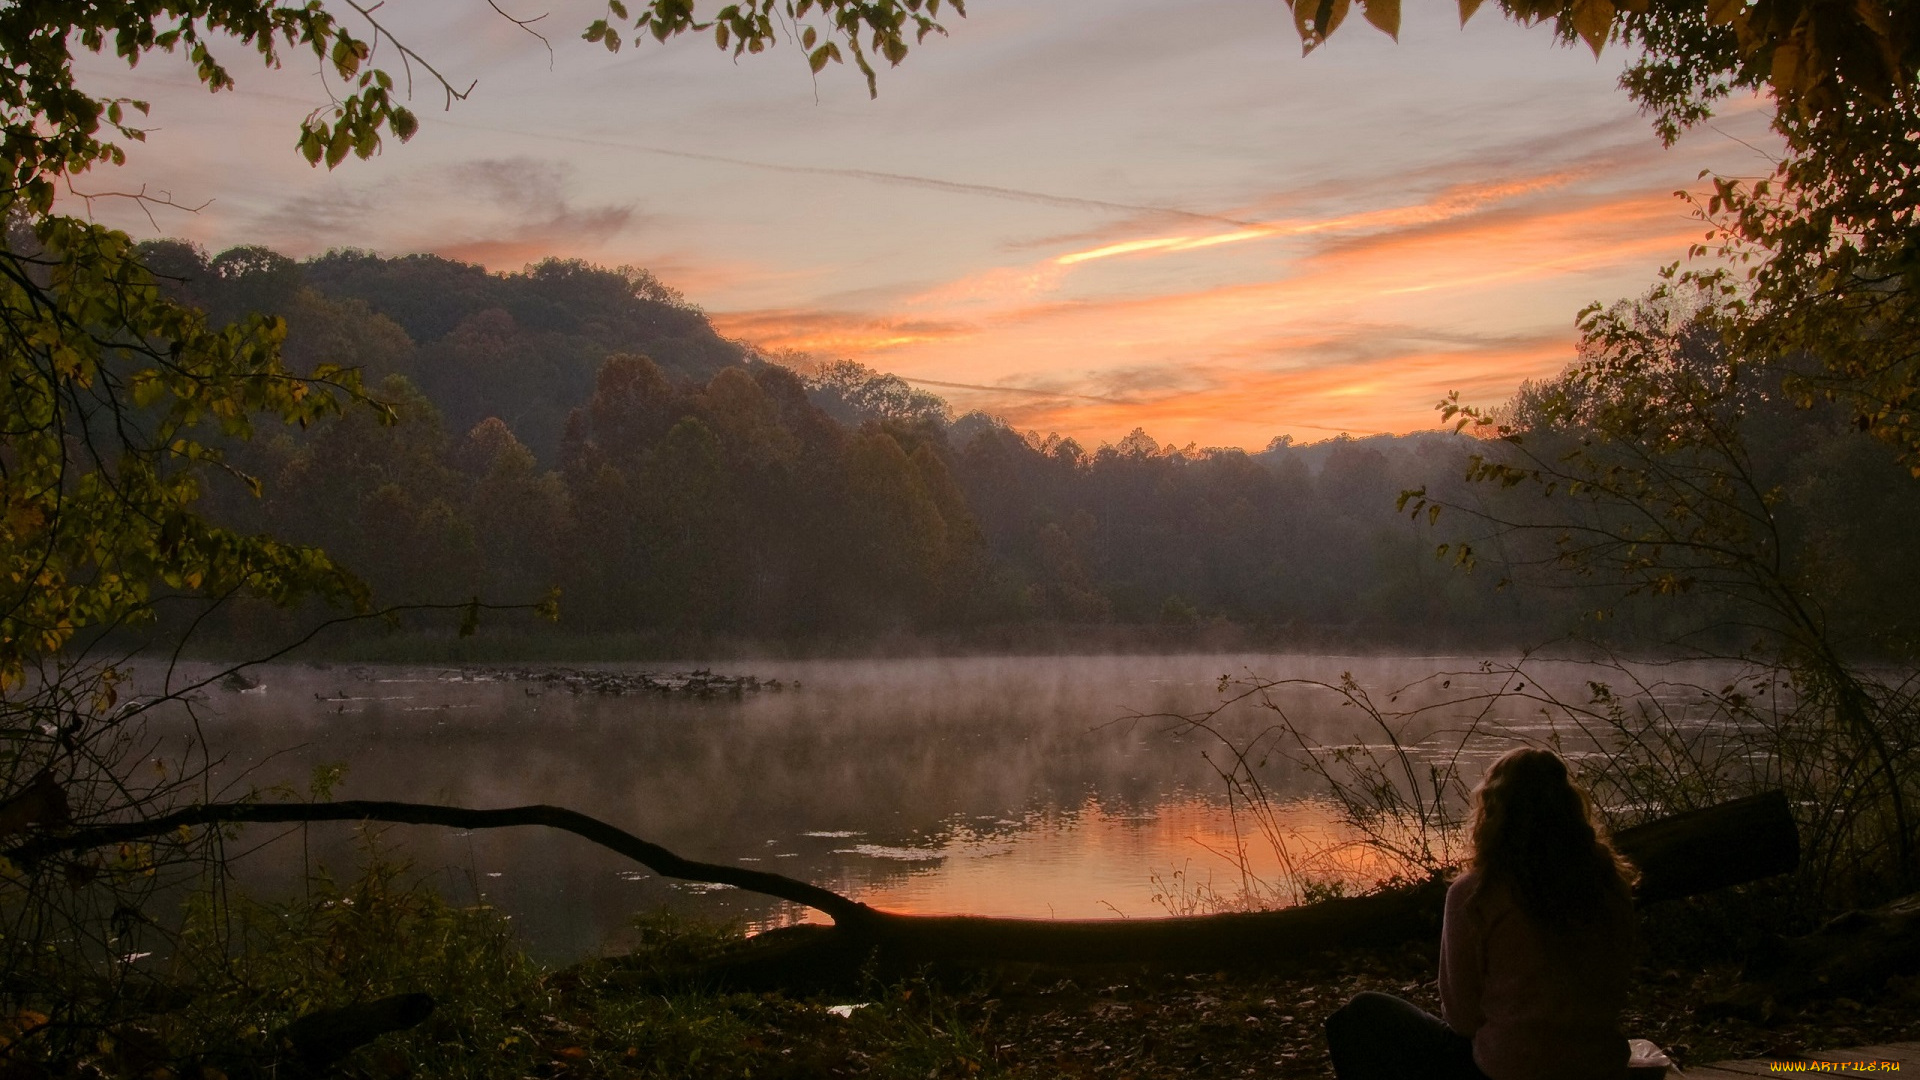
[(1534, 830)]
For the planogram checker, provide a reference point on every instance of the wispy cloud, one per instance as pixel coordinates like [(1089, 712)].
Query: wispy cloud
[(1360, 323), (1453, 202), (499, 212), (1249, 406), (1019, 391), (832, 333)]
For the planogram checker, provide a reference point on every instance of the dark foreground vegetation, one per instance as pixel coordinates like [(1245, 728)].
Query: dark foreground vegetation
[(640, 1014)]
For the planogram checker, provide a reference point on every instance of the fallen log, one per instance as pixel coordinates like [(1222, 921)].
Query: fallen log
[(1852, 955), (1704, 850), (1684, 855), (319, 1040)]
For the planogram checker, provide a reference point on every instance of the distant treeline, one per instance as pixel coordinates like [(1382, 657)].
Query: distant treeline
[(586, 428)]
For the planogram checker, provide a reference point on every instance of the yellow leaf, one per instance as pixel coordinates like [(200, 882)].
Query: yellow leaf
[(1593, 21), (1384, 14), (1315, 19), (1303, 22), (1786, 67), (1332, 14), (1467, 8)]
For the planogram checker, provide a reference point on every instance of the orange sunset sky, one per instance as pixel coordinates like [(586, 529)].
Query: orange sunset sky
[(1084, 215)]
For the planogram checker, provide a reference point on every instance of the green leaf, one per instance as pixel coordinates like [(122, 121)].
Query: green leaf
[(325, 778), (339, 145)]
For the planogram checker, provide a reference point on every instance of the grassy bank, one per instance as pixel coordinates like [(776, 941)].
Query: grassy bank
[(241, 971)]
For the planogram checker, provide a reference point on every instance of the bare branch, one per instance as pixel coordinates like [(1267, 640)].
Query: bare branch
[(408, 57), (652, 856)]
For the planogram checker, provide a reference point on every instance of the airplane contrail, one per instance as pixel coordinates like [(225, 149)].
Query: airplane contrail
[(932, 183)]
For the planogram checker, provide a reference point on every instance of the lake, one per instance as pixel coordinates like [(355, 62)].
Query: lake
[(1023, 786)]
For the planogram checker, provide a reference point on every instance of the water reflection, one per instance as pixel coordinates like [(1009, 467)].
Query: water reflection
[(999, 786), (1093, 862)]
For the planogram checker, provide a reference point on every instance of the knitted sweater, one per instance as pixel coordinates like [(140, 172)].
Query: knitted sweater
[(1537, 1004)]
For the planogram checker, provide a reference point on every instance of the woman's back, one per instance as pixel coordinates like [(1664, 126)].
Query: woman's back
[(1537, 1002), (1534, 954)]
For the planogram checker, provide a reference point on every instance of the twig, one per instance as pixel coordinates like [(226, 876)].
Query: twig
[(408, 57), (527, 25)]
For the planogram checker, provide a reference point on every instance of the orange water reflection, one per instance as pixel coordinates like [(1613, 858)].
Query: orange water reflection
[(1187, 856)]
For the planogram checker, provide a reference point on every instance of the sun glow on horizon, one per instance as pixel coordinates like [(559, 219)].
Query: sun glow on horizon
[(1203, 259), (1380, 315)]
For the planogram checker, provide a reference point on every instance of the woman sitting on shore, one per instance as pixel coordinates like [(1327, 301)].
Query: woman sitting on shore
[(1535, 949)]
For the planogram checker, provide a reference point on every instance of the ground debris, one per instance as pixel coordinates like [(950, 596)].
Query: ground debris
[(1241, 1024)]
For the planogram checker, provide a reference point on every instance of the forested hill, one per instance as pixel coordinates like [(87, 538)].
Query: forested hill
[(586, 428), (521, 347)]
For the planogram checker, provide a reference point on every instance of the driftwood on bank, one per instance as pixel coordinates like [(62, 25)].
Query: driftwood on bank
[(1678, 856), (1703, 850), (1852, 955), (319, 1040)]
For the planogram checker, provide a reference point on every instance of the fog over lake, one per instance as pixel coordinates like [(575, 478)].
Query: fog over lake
[(994, 786)]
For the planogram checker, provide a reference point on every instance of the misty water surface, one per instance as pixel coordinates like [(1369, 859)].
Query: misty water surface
[(999, 786)]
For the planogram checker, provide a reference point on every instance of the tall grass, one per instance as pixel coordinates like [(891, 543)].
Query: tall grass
[(240, 970), (1648, 740)]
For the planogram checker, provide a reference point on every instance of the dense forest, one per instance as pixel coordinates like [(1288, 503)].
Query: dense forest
[(585, 428)]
